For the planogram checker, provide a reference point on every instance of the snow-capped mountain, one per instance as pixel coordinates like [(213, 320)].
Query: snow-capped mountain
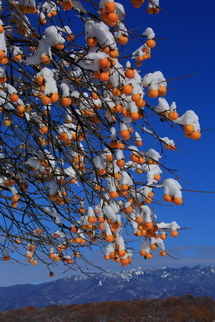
[(132, 284)]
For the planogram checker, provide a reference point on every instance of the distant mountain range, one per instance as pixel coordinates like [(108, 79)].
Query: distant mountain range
[(139, 283)]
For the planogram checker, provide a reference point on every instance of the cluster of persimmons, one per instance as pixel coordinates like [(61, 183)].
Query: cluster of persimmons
[(73, 117)]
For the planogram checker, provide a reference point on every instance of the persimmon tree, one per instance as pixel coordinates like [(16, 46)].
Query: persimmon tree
[(74, 112)]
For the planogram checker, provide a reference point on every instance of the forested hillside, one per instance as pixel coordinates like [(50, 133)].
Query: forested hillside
[(183, 309)]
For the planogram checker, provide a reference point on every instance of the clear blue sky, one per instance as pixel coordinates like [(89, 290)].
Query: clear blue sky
[(186, 46)]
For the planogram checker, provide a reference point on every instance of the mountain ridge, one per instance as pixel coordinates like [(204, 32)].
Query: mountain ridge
[(138, 283)]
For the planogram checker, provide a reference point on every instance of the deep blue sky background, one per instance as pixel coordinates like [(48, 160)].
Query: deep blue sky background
[(186, 46)]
